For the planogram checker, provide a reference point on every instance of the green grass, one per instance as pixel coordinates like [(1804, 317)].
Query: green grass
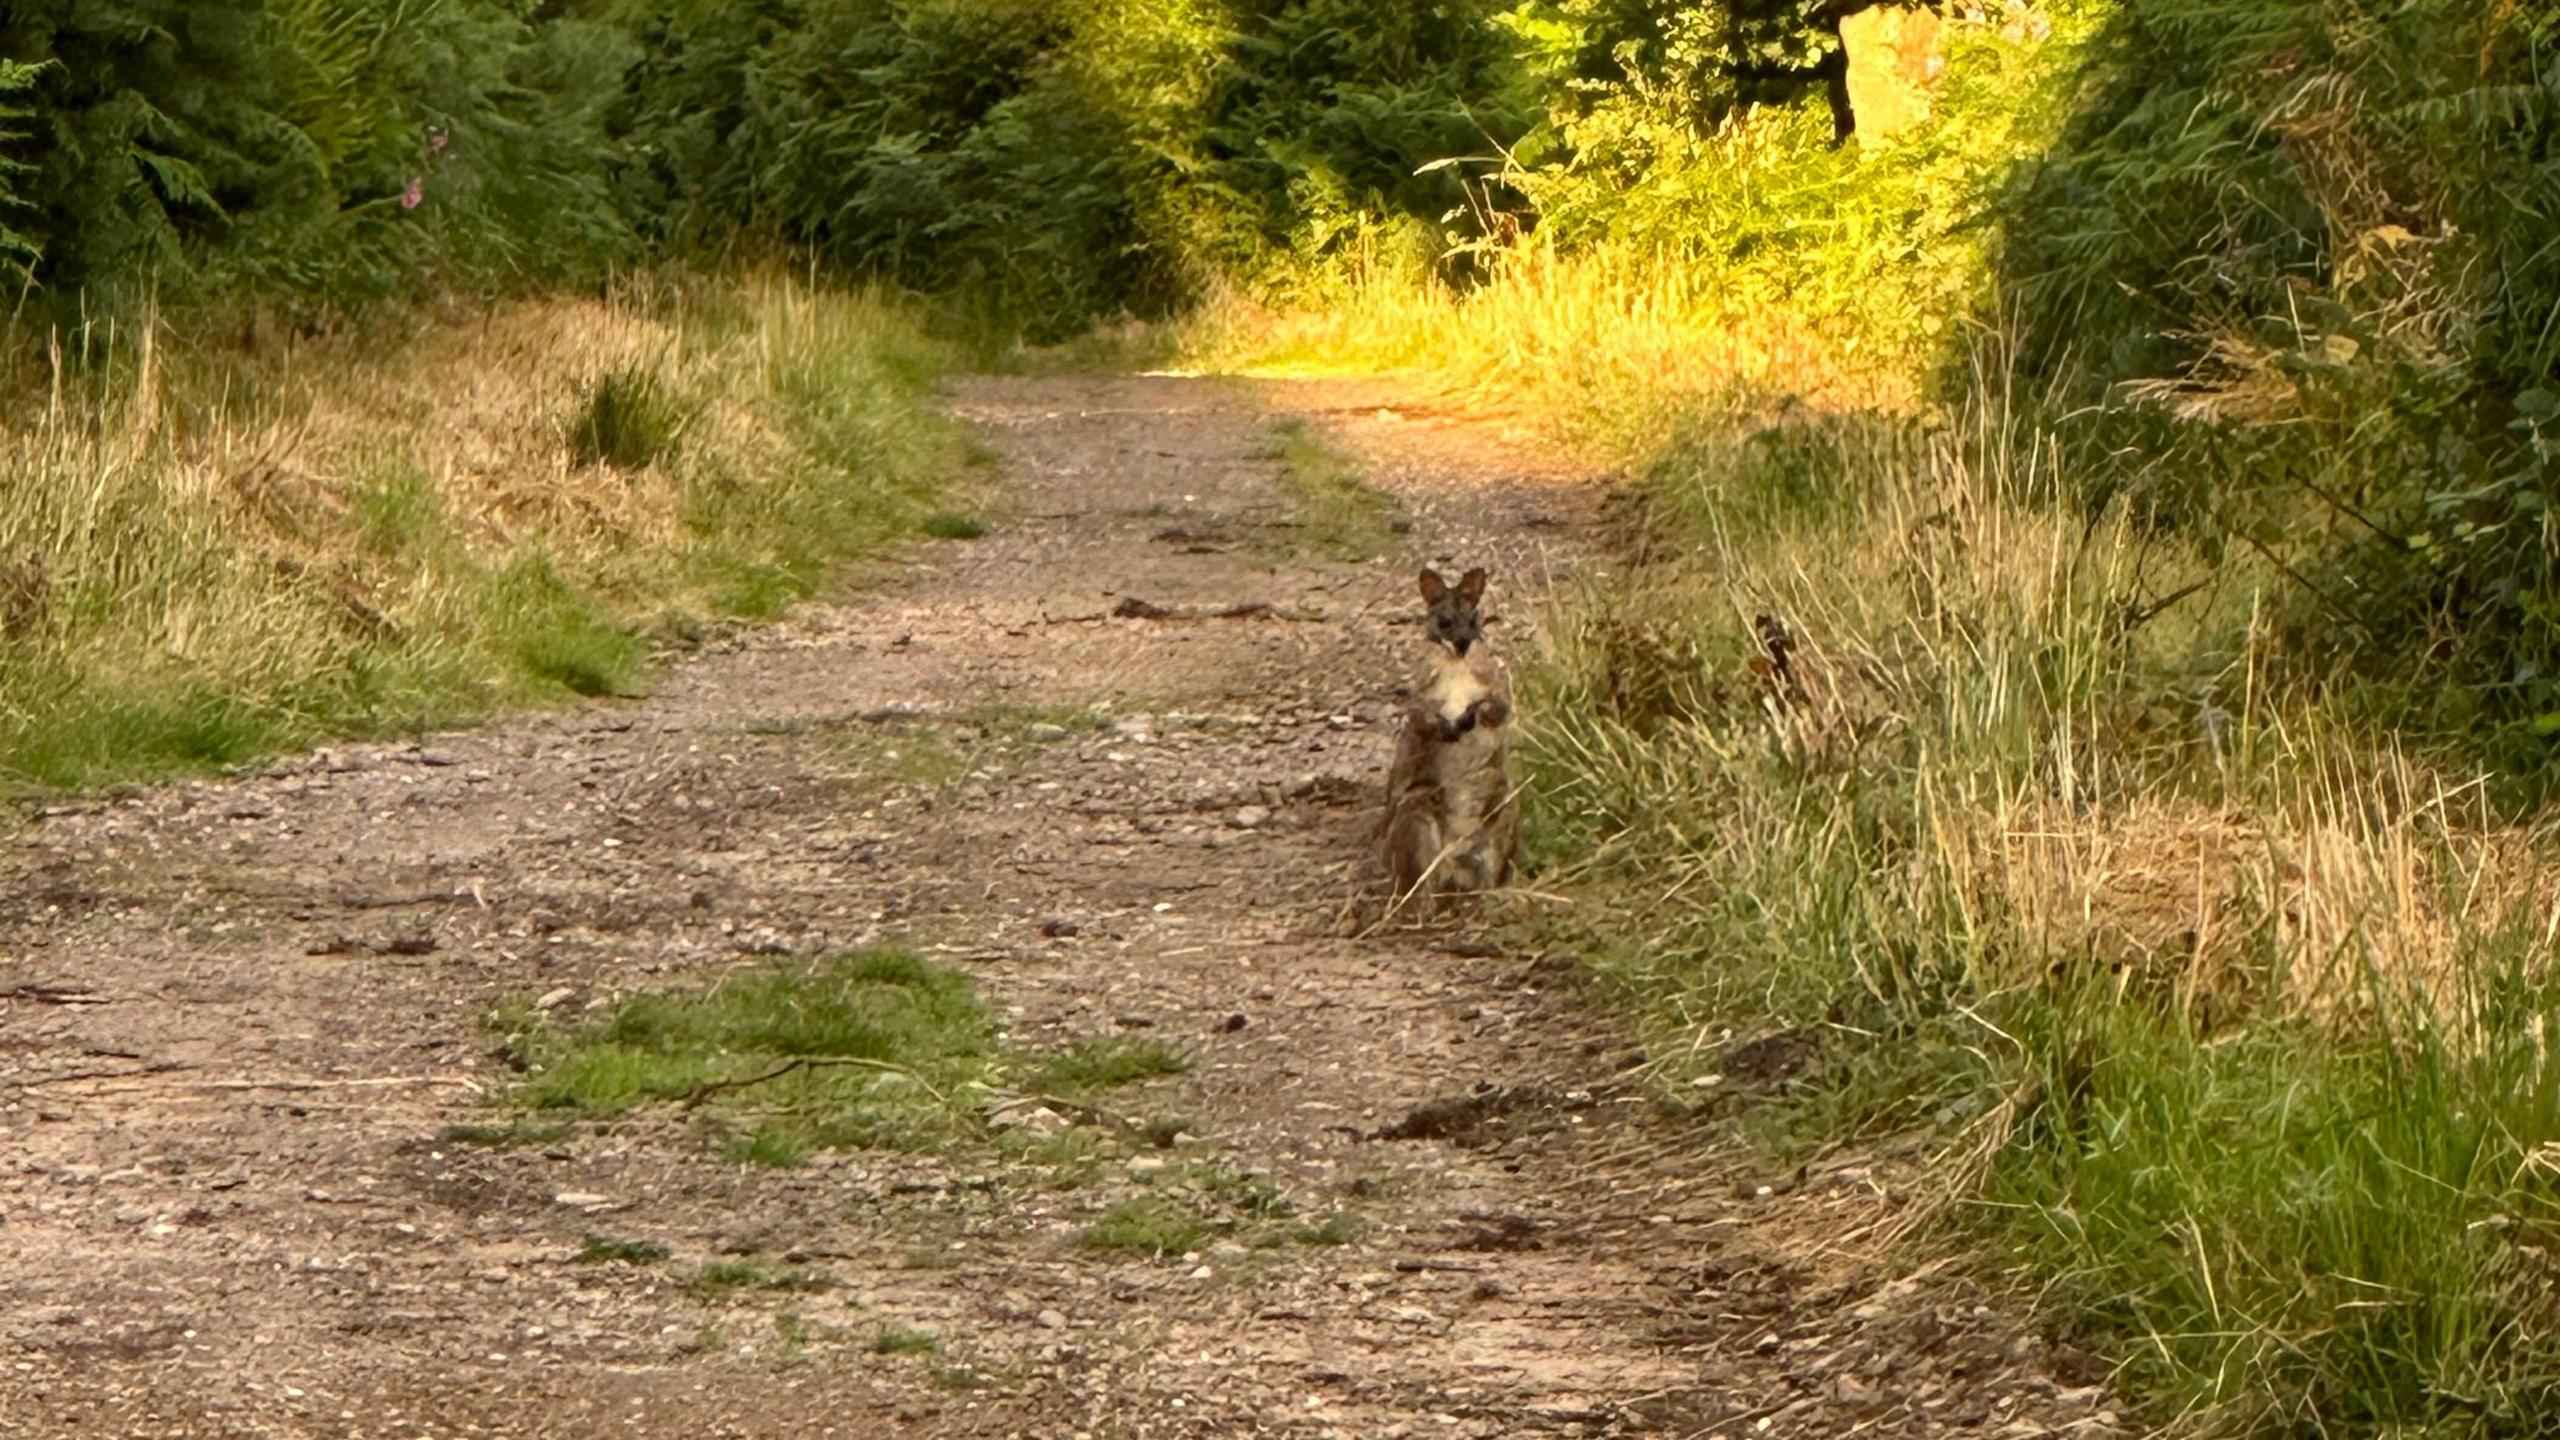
[(1107, 1063), (1198, 1201), (895, 1339), (772, 1146), (2354, 1236), (953, 525), (933, 754), (1151, 1225), (398, 511), (1335, 512), (561, 637), (507, 1134), (84, 739), (722, 1278), (605, 1250), (877, 1049)]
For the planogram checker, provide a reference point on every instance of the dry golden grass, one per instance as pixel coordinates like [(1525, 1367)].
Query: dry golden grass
[(233, 550), (1604, 347)]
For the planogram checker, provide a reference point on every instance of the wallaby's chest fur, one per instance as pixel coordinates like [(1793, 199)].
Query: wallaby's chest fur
[(1468, 771)]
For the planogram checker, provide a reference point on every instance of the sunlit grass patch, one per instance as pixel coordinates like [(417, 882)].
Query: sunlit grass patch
[(1336, 513), (1155, 1226)]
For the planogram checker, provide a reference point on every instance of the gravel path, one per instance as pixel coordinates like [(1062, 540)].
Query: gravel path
[(238, 1018)]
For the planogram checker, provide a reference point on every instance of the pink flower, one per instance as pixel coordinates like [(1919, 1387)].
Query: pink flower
[(415, 195)]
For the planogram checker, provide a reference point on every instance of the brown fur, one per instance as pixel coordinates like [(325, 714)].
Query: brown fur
[(1451, 827)]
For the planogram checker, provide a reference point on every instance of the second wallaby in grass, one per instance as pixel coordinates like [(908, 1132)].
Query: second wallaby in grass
[(1451, 826)]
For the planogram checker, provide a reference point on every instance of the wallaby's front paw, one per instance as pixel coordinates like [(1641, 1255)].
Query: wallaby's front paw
[(1492, 712)]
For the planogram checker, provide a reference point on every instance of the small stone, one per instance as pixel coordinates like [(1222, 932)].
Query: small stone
[(581, 1199), (1250, 817), (1045, 733), (1234, 1023), (554, 999), (1052, 1320), (1036, 1120), (1060, 928)]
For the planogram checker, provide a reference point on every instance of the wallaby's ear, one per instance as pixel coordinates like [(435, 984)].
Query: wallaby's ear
[(1472, 585), (1433, 587)]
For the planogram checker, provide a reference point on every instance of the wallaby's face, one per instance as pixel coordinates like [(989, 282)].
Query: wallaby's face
[(1452, 618)]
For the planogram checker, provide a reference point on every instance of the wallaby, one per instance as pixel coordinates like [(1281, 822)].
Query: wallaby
[(1450, 824)]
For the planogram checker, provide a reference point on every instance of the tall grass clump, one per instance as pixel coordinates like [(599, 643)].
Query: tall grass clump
[(629, 419), (211, 555), (2222, 1013)]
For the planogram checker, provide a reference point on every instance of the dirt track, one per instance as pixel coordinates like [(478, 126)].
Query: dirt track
[(240, 1015)]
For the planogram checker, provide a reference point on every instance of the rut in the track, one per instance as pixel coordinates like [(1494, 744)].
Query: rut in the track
[(230, 1211)]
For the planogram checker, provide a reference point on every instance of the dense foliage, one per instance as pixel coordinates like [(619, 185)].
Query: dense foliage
[(325, 153), (2304, 252), (2284, 264), (1049, 163)]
